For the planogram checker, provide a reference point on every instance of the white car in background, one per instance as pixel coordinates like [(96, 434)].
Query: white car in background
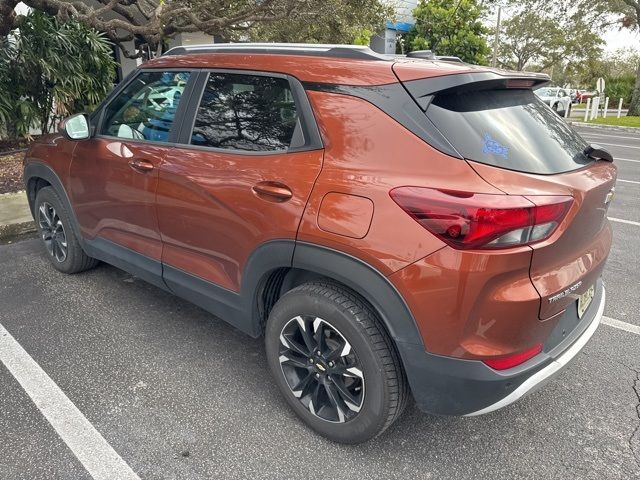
[(557, 98)]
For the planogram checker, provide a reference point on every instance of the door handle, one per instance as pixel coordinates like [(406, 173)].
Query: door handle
[(272, 191), (142, 166)]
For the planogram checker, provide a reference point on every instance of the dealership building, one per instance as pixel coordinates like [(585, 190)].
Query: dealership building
[(385, 41)]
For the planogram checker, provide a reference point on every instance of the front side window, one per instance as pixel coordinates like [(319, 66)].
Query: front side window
[(245, 112), (146, 108)]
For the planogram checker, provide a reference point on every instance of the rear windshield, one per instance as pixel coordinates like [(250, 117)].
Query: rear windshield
[(511, 129)]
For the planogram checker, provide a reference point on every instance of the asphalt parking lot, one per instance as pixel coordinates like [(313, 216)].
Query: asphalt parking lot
[(177, 394)]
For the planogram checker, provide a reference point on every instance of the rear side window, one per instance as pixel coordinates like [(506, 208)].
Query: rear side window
[(245, 112), (511, 129)]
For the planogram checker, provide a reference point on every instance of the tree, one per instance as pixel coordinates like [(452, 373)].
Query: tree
[(450, 27), (529, 37), (50, 70), (623, 61), (623, 14), (620, 86), (155, 21), (535, 41), (617, 68), (334, 21)]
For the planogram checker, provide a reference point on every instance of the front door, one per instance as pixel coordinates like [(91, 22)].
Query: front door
[(242, 178), (114, 175)]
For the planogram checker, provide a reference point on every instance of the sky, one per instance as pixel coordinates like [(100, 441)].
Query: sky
[(620, 39)]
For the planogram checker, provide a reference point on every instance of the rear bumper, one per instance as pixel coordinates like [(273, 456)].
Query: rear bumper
[(449, 386)]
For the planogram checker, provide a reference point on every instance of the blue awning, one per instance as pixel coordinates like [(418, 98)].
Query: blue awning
[(399, 26)]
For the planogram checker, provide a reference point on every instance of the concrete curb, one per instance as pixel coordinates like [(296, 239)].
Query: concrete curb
[(11, 152), (14, 230), (11, 193), (15, 216), (612, 128)]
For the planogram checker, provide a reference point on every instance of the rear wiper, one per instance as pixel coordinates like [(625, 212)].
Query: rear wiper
[(597, 153)]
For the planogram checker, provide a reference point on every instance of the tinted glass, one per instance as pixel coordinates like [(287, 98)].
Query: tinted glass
[(245, 112), (508, 128), (145, 109)]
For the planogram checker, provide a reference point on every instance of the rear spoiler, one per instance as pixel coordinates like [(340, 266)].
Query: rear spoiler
[(423, 90)]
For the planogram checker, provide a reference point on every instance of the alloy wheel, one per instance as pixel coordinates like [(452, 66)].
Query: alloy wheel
[(53, 234), (321, 369)]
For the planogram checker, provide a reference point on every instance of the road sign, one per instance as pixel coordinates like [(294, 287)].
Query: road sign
[(600, 85)]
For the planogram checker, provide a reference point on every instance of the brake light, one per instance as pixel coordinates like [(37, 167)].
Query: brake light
[(519, 83), (513, 360), (467, 220)]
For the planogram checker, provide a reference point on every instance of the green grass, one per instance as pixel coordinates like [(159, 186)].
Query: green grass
[(621, 122)]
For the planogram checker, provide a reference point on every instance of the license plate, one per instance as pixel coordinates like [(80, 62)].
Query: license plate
[(584, 300)]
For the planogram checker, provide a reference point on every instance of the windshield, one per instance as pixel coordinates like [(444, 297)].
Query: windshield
[(546, 92), (511, 129)]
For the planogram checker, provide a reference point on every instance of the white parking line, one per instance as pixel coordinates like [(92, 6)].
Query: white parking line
[(593, 134), (626, 160), (627, 327), (628, 181), (620, 220), (96, 455), (617, 145)]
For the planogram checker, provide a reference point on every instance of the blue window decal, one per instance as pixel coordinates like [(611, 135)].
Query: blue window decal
[(494, 147)]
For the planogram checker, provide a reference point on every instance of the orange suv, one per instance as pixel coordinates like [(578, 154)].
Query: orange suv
[(390, 226)]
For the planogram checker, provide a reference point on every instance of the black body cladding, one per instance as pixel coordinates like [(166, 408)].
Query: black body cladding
[(394, 100)]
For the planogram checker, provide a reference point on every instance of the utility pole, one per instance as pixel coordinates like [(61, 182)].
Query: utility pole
[(496, 39)]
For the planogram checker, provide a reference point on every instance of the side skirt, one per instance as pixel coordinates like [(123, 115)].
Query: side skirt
[(146, 268), (216, 300)]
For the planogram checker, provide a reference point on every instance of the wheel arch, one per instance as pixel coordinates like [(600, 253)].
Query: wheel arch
[(312, 262), (37, 175)]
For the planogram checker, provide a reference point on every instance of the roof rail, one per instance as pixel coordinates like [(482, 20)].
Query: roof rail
[(426, 54), (449, 58), (355, 52), (429, 55)]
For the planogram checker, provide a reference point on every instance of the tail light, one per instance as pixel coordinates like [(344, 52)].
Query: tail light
[(467, 220), (511, 361)]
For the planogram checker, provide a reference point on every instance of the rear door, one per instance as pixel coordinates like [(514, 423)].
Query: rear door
[(241, 176), (520, 146)]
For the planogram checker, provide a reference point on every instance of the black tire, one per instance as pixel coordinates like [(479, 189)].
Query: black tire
[(384, 388), (65, 252)]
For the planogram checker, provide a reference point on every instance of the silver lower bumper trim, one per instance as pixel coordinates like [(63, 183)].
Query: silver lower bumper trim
[(542, 376)]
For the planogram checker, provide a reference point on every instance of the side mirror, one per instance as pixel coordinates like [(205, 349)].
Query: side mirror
[(75, 127)]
